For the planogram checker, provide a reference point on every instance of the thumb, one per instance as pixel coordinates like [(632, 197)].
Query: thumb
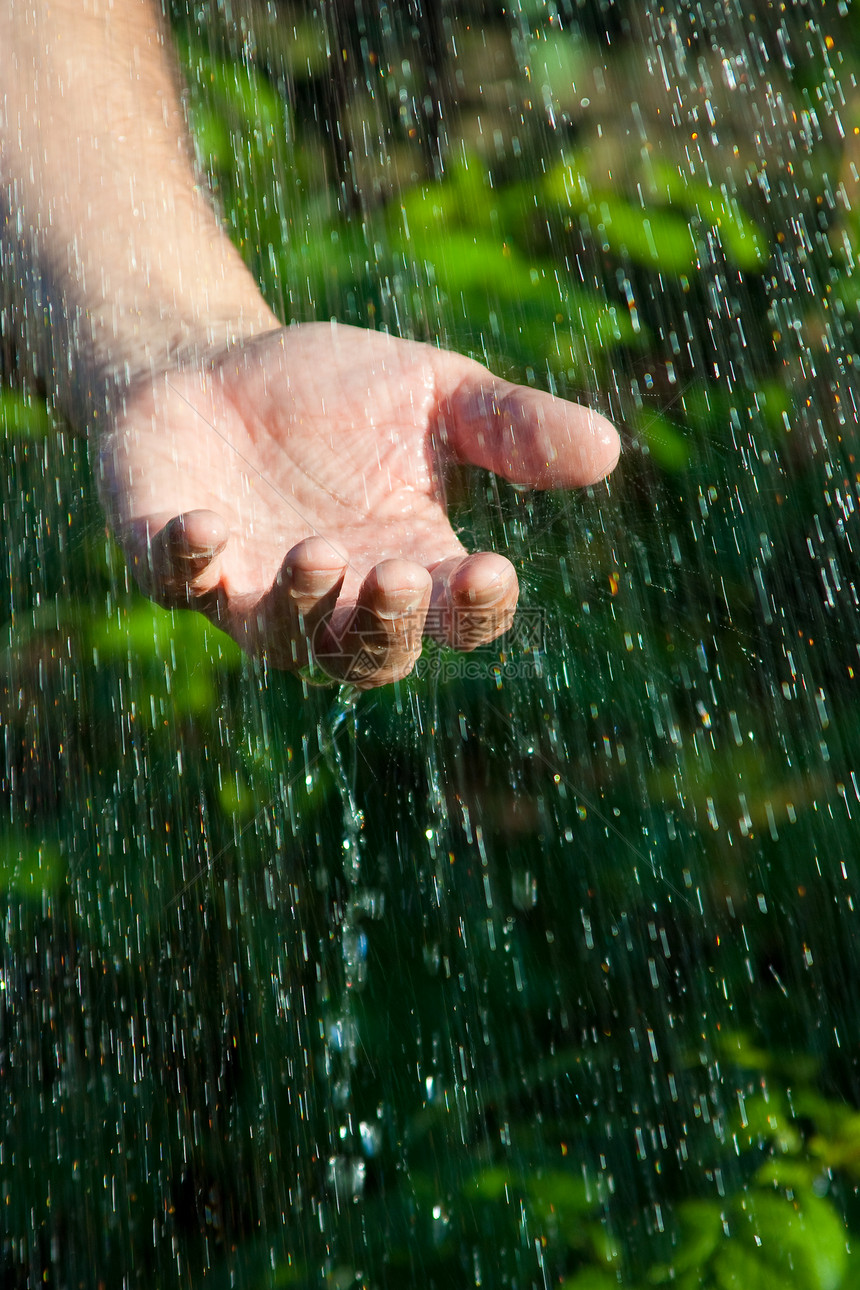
[(525, 435)]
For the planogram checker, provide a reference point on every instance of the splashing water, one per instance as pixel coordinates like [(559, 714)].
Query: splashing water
[(536, 968)]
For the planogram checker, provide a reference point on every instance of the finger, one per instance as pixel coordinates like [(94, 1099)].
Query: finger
[(380, 639), (311, 576), (178, 561), (474, 600), (300, 601), (525, 435)]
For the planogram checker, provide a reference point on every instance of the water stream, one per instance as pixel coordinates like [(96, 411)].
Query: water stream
[(538, 968)]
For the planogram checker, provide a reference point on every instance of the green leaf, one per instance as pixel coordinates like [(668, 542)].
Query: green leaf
[(658, 234), (800, 1242), (23, 417), (483, 273), (664, 441), (590, 1279), (241, 93), (557, 59), (178, 652), (743, 241), (560, 1202), (768, 1118), (462, 260), (776, 403), (29, 868), (651, 236), (788, 1174), (302, 44), (736, 1268), (145, 629), (490, 1184), (324, 262), (701, 1229), (464, 199), (212, 139), (559, 1190), (236, 798), (837, 1144), (851, 1280)]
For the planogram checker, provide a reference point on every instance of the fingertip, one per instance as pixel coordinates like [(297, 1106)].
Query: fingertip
[(398, 579), (602, 448), (317, 552), (304, 594), (194, 536), (173, 556), (474, 600), (381, 638), (395, 572), (557, 444), (312, 568), (482, 580)]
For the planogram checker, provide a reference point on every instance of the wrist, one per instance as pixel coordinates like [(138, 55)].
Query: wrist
[(112, 261), (210, 303)]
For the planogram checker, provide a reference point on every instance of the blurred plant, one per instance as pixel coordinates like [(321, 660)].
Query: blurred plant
[(637, 1080)]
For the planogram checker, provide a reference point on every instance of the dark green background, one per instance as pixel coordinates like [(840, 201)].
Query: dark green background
[(545, 977)]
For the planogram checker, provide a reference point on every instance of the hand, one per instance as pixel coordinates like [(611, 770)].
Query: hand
[(293, 487), (293, 491)]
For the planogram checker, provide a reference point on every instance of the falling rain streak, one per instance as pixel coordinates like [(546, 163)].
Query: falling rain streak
[(536, 968)]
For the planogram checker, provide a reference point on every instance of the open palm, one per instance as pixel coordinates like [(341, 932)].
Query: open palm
[(293, 490)]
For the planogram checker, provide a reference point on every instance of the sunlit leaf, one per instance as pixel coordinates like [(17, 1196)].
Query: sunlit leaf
[(557, 60), (591, 1279), (490, 1184), (701, 1230), (664, 441), (23, 416), (29, 868), (802, 1238), (743, 240)]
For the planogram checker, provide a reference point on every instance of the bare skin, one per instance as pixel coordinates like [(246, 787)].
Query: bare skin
[(287, 482), (336, 491)]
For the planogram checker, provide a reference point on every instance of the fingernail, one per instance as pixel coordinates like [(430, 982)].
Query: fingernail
[(181, 547), (492, 593), (194, 555), (313, 582), (409, 603)]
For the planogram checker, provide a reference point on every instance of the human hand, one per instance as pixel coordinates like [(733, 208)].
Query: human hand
[(292, 488), (293, 491)]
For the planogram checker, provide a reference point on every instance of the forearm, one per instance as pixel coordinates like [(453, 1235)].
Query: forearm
[(113, 261)]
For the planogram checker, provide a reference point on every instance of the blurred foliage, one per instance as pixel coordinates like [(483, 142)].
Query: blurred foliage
[(588, 1016)]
